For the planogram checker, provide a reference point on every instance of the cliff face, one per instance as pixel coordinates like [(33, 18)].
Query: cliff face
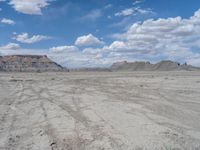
[(147, 66), (28, 63)]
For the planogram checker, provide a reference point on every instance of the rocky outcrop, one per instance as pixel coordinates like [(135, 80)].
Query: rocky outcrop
[(131, 66), (147, 66), (28, 63)]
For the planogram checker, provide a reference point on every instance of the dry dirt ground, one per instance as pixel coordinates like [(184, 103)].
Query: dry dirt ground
[(100, 111)]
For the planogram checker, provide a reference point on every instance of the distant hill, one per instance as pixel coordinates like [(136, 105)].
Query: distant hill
[(41, 63), (28, 63), (147, 66)]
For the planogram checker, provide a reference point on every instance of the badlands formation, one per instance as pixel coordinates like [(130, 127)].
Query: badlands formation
[(28, 63), (165, 65), (41, 63)]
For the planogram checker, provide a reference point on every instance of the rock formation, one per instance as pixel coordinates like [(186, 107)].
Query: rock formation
[(28, 63), (147, 66)]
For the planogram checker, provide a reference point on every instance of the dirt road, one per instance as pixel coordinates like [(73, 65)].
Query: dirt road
[(100, 111)]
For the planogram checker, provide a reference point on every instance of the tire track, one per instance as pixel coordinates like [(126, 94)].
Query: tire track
[(12, 140), (55, 143), (97, 133)]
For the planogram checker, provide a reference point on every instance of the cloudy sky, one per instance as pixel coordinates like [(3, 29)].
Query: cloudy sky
[(96, 33)]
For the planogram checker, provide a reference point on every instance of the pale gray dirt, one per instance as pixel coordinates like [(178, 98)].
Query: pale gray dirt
[(100, 111)]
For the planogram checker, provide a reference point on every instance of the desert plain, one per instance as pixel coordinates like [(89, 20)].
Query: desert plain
[(100, 111)]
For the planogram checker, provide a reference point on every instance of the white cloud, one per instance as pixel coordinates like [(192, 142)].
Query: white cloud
[(92, 15), (88, 40), (125, 12), (61, 49), (137, 2), (10, 46), (170, 38), (175, 38), (165, 38), (31, 7), (69, 56), (95, 53), (134, 11), (117, 45), (7, 21), (73, 57), (108, 6), (23, 51), (194, 60), (24, 38), (152, 40)]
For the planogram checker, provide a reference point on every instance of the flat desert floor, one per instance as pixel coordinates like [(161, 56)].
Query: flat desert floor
[(100, 111)]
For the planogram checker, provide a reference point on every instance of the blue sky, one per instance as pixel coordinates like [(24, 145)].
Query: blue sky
[(91, 33)]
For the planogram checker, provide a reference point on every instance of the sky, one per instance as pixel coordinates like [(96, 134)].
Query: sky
[(97, 33)]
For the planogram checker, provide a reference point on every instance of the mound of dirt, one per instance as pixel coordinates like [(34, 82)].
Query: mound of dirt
[(28, 63)]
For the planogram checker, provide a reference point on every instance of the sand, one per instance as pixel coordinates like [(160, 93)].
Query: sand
[(100, 111)]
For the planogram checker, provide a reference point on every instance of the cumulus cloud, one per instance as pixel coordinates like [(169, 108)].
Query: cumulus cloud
[(94, 53), (73, 57), (69, 56), (24, 38), (88, 40), (175, 38), (7, 21), (171, 38), (10, 46), (117, 45), (31, 7), (61, 49), (134, 11)]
